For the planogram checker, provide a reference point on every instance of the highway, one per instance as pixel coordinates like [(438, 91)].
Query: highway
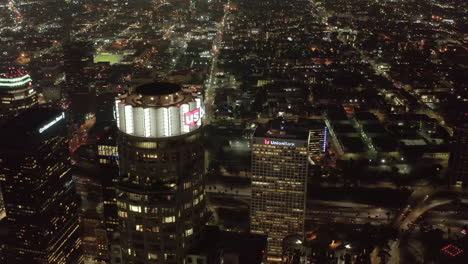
[(324, 212)]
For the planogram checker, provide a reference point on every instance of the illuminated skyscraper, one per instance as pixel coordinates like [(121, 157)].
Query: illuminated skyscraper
[(160, 190), (16, 93), (279, 182), (40, 199)]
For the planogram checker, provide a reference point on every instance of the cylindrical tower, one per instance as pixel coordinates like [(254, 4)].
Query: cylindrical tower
[(161, 191), (16, 93)]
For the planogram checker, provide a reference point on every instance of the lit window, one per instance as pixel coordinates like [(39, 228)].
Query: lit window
[(152, 256), (189, 232), (123, 214), (139, 228), (135, 208), (169, 219)]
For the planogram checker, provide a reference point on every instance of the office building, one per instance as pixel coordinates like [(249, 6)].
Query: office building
[(279, 181), (78, 60), (106, 145), (318, 133), (93, 231), (458, 162), (160, 189), (16, 93), (38, 189), (79, 75)]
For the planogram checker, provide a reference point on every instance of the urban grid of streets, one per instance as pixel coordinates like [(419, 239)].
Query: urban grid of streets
[(273, 43)]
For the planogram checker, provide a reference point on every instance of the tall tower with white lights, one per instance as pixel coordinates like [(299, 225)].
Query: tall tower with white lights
[(161, 190)]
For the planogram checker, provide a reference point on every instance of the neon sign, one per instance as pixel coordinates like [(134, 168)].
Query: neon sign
[(279, 143), (51, 123), (324, 147), (191, 118)]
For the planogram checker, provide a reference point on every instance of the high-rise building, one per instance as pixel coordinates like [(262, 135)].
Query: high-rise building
[(160, 189), (279, 181), (458, 162), (78, 61), (318, 133), (16, 93), (38, 189), (79, 75)]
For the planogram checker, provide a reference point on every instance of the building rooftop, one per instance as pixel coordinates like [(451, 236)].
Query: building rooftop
[(374, 128), (13, 73), (158, 88), (344, 128), (385, 143), (32, 119), (30, 127), (14, 78), (279, 128), (311, 123), (366, 116), (352, 144)]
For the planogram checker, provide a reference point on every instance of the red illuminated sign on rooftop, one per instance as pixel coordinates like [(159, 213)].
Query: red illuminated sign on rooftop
[(191, 118), (452, 250)]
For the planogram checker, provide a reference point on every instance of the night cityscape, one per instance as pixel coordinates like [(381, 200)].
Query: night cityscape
[(233, 131)]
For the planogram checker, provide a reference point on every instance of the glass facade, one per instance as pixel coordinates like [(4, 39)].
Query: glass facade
[(40, 199), (279, 177), (317, 142)]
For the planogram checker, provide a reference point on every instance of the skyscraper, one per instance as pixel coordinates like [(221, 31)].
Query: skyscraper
[(16, 93), (78, 60), (458, 163), (279, 182), (40, 199), (160, 189), (78, 65)]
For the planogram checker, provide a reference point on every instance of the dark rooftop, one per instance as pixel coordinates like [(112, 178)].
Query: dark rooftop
[(385, 143), (337, 116), (374, 128), (158, 88), (336, 112), (279, 128), (352, 144), (31, 127), (311, 123), (32, 119), (344, 128), (366, 116)]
